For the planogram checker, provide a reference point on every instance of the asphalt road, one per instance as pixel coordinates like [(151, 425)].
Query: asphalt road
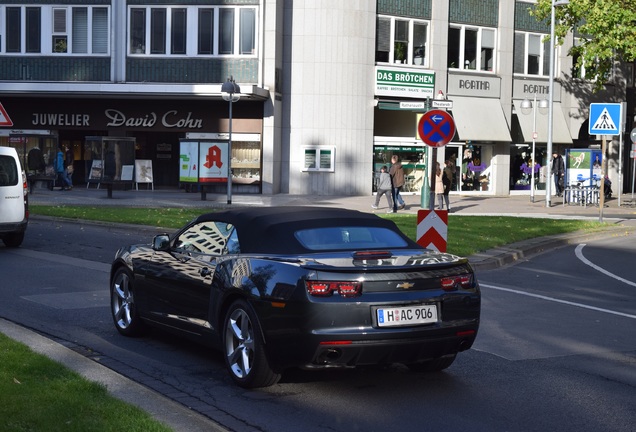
[(555, 350)]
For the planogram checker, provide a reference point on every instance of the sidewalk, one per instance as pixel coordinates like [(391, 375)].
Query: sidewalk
[(513, 205), (181, 418)]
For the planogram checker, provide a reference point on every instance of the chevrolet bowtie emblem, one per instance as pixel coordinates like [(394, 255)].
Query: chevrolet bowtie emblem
[(405, 285)]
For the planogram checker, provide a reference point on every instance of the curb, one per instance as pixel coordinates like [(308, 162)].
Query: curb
[(509, 254), (161, 408)]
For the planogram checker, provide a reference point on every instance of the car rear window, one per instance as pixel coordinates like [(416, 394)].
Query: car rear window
[(8, 171), (349, 238)]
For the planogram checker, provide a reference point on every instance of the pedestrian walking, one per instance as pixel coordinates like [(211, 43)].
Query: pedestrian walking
[(397, 178), (447, 180), (68, 163), (60, 170), (558, 171), (384, 188)]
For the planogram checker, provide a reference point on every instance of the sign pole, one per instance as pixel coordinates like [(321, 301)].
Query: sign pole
[(632, 154), (436, 128), (432, 173), (620, 169), (633, 177), (601, 199), (424, 192)]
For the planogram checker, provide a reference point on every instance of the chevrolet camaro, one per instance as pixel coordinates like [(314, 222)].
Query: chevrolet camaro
[(299, 287)]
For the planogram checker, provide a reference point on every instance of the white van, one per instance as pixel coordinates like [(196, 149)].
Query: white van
[(14, 205)]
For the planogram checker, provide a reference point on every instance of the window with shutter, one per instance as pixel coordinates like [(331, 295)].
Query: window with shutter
[(80, 31), (100, 30)]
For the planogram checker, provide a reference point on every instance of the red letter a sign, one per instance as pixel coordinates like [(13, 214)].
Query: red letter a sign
[(213, 158)]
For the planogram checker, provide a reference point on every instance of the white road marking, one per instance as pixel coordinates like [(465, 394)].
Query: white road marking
[(555, 300), (579, 254)]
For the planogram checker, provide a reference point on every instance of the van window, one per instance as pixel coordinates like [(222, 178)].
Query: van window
[(8, 171)]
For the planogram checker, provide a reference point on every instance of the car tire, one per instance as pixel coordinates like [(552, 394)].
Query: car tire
[(13, 239), (244, 348), (122, 304), (433, 365)]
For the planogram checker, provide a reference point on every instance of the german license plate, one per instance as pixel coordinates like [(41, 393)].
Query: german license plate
[(406, 316)]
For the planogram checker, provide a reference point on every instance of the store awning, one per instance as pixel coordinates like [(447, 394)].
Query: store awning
[(560, 131), (480, 119)]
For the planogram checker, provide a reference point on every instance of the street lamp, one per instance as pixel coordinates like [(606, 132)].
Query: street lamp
[(230, 91), (551, 98), (526, 106)]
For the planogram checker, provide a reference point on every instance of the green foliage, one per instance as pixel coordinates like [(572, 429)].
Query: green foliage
[(607, 28), (40, 395)]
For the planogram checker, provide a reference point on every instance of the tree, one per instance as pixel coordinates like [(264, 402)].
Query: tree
[(607, 29)]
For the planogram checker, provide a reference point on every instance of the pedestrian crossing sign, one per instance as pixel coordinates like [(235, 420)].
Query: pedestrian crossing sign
[(605, 119)]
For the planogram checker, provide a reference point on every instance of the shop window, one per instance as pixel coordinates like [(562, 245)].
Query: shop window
[(319, 159), (475, 168), (400, 40), (531, 54), (412, 158), (471, 48)]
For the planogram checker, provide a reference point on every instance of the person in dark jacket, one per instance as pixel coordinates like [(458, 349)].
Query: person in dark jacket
[(558, 171)]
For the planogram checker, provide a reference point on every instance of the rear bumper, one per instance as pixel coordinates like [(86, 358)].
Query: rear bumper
[(11, 228), (369, 346), (389, 351)]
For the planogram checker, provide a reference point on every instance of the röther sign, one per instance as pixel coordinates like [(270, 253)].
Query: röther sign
[(436, 128)]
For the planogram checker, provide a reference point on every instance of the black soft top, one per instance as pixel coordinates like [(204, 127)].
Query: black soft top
[(270, 230)]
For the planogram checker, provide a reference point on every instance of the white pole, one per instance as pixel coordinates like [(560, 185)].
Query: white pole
[(534, 136), (550, 105)]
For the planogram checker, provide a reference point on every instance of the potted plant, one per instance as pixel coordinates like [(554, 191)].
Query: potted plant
[(400, 52)]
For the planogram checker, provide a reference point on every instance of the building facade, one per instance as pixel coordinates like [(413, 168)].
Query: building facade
[(329, 90)]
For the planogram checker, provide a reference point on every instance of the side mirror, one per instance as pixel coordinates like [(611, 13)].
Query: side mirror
[(161, 242)]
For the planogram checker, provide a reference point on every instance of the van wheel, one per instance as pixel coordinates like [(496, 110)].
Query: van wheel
[(13, 239)]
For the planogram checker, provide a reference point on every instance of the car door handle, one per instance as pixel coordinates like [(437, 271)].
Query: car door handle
[(205, 271)]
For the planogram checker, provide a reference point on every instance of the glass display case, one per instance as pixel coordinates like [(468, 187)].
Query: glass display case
[(109, 159), (246, 162)]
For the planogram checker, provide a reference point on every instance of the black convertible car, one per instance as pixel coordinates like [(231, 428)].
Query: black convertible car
[(277, 288)]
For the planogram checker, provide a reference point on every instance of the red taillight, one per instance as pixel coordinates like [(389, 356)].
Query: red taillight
[(345, 342), (372, 255), (451, 283), (25, 184), (325, 289)]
